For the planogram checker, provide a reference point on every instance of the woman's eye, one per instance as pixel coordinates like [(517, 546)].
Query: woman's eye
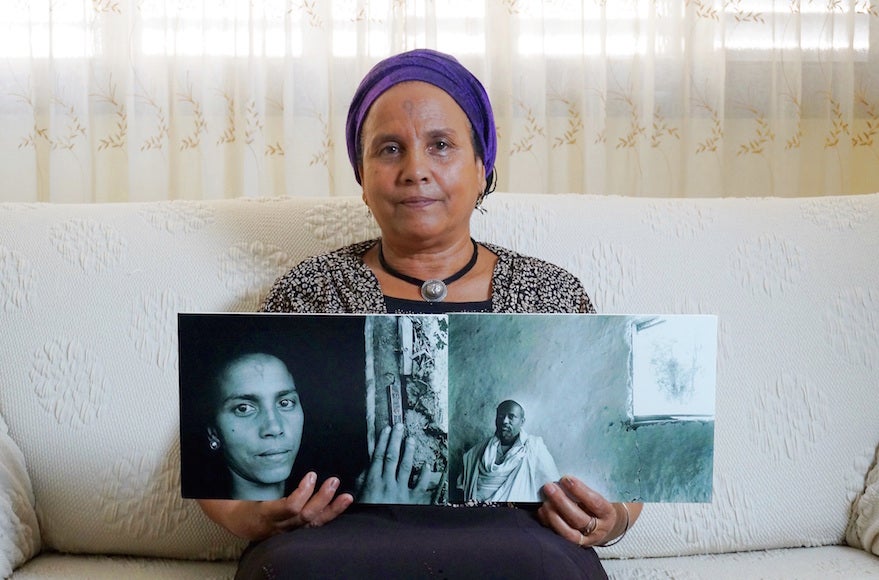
[(441, 145), (243, 409), (390, 150), (287, 404)]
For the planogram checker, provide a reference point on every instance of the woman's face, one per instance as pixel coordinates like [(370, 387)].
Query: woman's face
[(259, 419), (420, 173)]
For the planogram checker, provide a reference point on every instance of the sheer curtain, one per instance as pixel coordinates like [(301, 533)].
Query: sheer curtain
[(126, 100)]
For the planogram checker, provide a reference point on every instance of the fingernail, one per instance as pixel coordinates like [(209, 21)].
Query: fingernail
[(334, 483), (312, 477), (549, 489), (568, 482)]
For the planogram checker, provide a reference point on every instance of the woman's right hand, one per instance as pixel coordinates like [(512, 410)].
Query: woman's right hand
[(387, 479), (256, 520)]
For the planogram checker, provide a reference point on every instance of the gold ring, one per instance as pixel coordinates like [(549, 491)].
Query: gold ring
[(589, 527)]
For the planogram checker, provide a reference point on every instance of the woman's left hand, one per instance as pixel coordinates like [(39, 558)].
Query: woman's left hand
[(581, 515)]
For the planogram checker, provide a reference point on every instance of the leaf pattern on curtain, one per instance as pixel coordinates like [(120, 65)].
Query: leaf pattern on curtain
[(129, 100)]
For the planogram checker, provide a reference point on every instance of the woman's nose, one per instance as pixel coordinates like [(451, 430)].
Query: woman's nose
[(272, 425), (415, 167)]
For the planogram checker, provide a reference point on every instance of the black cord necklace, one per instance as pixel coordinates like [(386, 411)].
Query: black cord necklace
[(433, 290)]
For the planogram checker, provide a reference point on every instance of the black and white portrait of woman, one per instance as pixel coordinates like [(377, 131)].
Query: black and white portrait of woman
[(255, 422), (261, 404)]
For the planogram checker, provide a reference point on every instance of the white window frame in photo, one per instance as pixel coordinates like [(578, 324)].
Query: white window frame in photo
[(644, 407)]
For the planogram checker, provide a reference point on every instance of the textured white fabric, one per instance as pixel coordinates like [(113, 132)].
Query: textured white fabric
[(89, 360), (88, 375), (796, 289), (863, 527), (19, 531), (838, 562), (65, 567)]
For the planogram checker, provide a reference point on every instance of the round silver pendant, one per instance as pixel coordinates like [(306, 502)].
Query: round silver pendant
[(434, 290)]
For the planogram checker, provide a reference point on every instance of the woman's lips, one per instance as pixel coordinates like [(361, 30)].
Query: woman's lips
[(417, 202), (274, 454)]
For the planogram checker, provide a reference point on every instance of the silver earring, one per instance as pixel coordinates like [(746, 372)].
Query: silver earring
[(479, 201), (213, 442)]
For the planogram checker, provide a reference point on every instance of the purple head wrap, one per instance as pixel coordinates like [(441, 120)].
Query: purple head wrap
[(438, 69)]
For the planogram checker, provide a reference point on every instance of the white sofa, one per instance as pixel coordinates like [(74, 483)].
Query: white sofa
[(88, 368)]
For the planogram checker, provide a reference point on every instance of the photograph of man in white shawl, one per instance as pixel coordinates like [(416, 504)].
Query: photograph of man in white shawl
[(510, 463), (623, 402)]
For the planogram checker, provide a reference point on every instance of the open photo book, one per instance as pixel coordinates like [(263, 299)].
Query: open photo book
[(462, 408)]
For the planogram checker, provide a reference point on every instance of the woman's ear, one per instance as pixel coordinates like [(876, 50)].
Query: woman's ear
[(213, 439), (362, 189), (483, 181)]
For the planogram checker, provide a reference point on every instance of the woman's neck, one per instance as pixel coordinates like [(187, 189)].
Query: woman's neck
[(433, 263), (427, 261)]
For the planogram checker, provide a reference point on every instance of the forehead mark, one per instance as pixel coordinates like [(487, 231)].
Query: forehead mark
[(409, 107)]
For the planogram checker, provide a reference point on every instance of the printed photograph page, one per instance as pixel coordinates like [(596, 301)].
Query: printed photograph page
[(438, 409)]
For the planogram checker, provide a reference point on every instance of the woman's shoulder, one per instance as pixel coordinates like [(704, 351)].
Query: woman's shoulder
[(526, 283), (346, 255), (537, 267), (344, 258), (310, 286)]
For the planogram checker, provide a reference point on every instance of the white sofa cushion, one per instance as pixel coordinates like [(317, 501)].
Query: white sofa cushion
[(823, 563), (796, 287), (19, 531), (54, 566)]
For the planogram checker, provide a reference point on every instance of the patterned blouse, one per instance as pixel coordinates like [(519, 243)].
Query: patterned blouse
[(339, 282)]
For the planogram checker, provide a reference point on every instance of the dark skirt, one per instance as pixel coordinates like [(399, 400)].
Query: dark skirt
[(421, 542)]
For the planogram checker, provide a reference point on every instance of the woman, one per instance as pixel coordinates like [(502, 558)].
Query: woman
[(422, 141)]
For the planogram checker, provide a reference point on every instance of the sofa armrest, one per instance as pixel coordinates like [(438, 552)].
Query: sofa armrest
[(19, 529), (863, 527)]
